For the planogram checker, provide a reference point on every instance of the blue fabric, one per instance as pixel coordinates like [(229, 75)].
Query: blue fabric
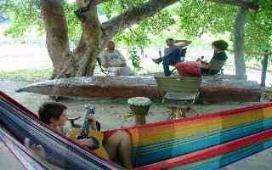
[(227, 159), (59, 151), (171, 59)]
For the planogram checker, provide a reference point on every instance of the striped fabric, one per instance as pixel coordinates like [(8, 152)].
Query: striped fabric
[(165, 140), (208, 141)]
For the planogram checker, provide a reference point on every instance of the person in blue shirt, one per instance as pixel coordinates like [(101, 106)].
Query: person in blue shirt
[(172, 54)]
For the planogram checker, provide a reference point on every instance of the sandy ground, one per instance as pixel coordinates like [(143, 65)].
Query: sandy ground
[(114, 114)]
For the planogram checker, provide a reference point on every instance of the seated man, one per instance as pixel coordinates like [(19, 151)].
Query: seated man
[(113, 61), (117, 144), (172, 54), (218, 60)]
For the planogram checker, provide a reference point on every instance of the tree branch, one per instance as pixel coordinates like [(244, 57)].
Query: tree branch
[(134, 15), (242, 3), (150, 8)]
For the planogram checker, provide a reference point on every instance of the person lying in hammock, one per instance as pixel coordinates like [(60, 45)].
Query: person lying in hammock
[(117, 144)]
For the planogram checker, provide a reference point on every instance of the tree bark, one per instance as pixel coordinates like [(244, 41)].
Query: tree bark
[(91, 41), (239, 29), (264, 68), (56, 35)]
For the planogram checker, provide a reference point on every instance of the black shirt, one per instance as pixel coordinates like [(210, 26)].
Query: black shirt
[(220, 56)]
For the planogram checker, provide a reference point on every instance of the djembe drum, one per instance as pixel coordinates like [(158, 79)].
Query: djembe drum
[(139, 107)]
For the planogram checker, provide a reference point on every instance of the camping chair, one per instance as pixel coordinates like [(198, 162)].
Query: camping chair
[(178, 92)]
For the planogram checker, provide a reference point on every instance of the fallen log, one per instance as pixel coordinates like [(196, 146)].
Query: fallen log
[(212, 90), (229, 90), (96, 86)]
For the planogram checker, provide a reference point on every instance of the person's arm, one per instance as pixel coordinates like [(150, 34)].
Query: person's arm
[(102, 60), (92, 122), (121, 58), (165, 51), (182, 43)]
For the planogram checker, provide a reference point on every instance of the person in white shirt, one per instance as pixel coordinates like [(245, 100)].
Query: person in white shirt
[(113, 61)]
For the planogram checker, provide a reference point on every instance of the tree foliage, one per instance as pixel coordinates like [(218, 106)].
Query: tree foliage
[(259, 29), (200, 16), (23, 15), (194, 17)]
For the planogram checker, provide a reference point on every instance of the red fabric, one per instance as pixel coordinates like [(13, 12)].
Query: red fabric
[(108, 134), (189, 69)]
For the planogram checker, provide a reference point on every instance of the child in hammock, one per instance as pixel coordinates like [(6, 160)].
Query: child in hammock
[(117, 145)]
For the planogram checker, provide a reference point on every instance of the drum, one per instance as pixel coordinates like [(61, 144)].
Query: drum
[(139, 107)]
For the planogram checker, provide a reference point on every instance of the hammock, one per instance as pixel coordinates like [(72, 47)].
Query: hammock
[(15, 156), (209, 141), (60, 151)]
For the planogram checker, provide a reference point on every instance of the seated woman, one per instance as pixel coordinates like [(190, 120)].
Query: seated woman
[(118, 144), (218, 60), (199, 67)]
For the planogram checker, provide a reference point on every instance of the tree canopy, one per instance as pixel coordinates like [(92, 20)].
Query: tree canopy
[(194, 17), (137, 22)]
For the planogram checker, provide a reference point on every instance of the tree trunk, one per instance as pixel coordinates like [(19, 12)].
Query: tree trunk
[(264, 68), (56, 35), (82, 61), (239, 27), (91, 41)]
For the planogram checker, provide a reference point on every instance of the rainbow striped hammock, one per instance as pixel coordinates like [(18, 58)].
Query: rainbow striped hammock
[(208, 141)]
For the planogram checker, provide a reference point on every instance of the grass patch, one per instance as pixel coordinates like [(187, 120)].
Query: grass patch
[(26, 75)]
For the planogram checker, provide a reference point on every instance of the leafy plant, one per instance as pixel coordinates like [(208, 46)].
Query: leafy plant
[(135, 59)]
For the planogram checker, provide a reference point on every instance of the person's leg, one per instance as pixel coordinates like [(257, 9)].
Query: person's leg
[(170, 59), (118, 145), (166, 64)]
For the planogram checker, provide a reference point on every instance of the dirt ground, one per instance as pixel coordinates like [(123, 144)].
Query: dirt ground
[(107, 110), (115, 114)]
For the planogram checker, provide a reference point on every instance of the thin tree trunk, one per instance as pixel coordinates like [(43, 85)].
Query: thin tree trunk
[(264, 68), (239, 29)]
